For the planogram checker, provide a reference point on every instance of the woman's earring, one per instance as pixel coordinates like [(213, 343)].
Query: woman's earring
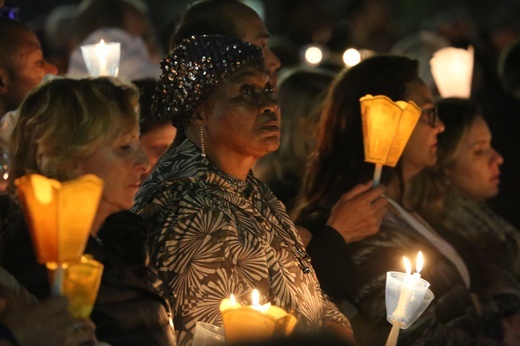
[(202, 148)]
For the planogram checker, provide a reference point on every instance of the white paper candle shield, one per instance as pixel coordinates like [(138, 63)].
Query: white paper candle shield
[(452, 70), (102, 59)]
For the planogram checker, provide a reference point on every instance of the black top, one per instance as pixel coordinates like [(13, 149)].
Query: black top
[(131, 308)]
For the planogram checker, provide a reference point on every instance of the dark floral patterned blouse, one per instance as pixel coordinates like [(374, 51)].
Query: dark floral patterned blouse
[(224, 236)]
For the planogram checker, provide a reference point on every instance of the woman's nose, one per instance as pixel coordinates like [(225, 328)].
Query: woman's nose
[(499, 159), (269, 103), (439, 125), (142, 160)]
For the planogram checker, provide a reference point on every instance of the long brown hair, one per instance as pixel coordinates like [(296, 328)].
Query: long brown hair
[(337, 164)]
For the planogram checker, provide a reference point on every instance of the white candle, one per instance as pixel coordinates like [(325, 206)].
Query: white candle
[(102, 54), (406, 292), (419, 262), (256, 302), (409, 283)]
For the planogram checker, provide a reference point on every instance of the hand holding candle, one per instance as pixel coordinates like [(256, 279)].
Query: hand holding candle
[(255, 321)]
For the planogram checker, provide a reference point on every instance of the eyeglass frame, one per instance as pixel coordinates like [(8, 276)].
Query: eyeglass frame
[(431, 113)]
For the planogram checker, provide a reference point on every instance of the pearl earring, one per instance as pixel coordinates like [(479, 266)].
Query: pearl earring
[(202, 147)]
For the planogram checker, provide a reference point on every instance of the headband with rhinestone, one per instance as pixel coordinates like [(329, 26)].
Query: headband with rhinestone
[(194, 69)]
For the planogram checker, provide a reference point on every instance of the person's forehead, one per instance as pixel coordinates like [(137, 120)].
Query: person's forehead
[(28, 44), (251, 26), (251, 71), (420, 92)]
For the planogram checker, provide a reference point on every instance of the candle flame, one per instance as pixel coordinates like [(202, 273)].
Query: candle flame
[(255, 297), (232, 299), (419, 262), (101, 50), (407, 265)]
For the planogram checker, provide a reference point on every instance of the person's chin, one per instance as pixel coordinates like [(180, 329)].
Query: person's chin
[(272, 143), (431, 161), (491, 193), (494, 189), (126, 205)]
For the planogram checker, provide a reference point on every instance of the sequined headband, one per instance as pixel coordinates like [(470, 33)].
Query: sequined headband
[(194, 69)]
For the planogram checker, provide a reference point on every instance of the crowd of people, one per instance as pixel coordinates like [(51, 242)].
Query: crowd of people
[(227, 168)]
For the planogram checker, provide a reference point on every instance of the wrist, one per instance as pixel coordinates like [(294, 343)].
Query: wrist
[(344, 235), (331, 229)]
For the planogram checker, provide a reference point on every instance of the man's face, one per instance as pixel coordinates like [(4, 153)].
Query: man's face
[(27, 70), (254, 31)]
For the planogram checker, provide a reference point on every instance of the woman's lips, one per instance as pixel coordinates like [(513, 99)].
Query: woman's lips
[(274, 128)]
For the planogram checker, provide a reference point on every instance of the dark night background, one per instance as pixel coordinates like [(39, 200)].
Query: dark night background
[(489, 25)]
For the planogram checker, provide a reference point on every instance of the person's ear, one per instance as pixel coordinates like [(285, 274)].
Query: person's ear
[(200, 116)]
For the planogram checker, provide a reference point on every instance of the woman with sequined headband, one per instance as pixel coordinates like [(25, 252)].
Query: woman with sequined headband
[(224, 232)]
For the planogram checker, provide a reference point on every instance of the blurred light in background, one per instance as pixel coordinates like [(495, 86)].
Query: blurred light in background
[(351, 57), (313, 55)]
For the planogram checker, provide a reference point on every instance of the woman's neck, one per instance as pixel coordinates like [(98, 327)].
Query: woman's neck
[(397, 190), (230, 162), (225, 159), (393, 189), (100, 217)]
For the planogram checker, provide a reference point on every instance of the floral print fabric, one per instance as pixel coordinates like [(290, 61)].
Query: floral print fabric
[(223, 236)]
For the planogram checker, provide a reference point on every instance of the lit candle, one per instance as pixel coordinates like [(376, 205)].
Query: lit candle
[(102, 59), (229, 304), (255, 321), (255, 300), (419, 262), (408, 290), (102, 54), (409, 282)]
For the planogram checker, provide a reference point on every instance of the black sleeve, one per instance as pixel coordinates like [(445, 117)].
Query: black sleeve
[(335, 269), (18, 257)]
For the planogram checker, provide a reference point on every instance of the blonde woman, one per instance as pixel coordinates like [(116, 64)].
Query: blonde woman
[(68, 128)]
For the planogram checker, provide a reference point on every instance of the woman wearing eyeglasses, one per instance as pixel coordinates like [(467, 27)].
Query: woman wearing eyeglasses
[(336, 166)]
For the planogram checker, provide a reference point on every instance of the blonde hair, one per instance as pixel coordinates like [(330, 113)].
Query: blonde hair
[(64, 120)]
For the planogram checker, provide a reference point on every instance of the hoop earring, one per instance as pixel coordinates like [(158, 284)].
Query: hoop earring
[(202, 147)]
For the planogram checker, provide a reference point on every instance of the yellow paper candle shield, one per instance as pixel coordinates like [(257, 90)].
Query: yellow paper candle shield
[(80, 284), (387, 126), (59, 215), (254, 322)]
